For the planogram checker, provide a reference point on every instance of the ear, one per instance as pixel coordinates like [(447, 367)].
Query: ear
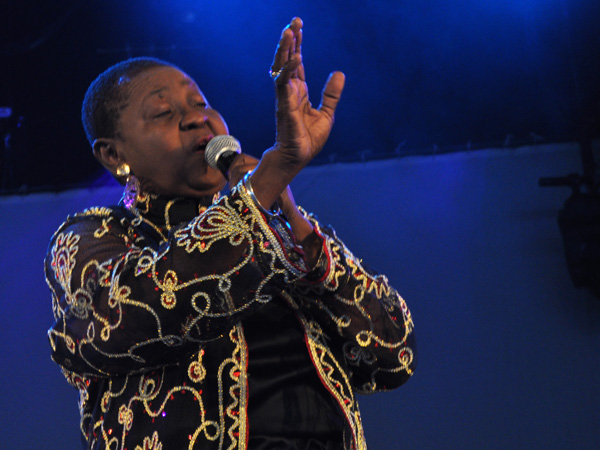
[(105, 151)]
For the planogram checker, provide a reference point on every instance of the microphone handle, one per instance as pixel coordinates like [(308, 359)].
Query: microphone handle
[(224, 162)]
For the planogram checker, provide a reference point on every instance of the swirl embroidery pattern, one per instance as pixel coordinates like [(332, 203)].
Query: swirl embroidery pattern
[(148, 320)]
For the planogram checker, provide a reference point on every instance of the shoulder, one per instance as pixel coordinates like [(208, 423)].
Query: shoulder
[(93, 215), (91, 233), (92, 220)]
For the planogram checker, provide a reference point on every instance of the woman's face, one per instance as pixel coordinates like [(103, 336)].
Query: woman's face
[(163, 132)]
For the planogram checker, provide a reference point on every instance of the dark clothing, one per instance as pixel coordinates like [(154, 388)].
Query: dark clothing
[(287, 398), (186, 327)]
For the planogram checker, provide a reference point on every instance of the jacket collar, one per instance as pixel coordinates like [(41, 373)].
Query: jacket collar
[(165, 212)]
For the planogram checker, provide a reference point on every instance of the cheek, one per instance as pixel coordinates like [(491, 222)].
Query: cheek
[(152, 156), (218, 124)]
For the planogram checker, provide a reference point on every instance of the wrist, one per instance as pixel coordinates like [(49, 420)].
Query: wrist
[(269, 212), (285, 159), (271, 176)]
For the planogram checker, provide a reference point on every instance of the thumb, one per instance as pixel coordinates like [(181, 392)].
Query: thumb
[(332, 92)]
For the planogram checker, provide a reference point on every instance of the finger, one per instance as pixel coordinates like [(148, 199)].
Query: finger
[(289, 44), (291, 49), (290, 70), (298, 51), (282, 51), (332, 92), (296, 24), (296, 27), (299, 40), (300, 71)]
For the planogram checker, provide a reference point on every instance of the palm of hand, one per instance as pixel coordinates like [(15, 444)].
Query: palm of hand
[(301, 129)]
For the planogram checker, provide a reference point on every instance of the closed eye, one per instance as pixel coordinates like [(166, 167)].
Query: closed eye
[(163, 114)]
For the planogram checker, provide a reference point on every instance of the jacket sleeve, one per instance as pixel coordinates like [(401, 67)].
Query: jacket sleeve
[(121, 306), (359, 316)]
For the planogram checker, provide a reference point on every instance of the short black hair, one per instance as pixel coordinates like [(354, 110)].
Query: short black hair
[(108, 94)]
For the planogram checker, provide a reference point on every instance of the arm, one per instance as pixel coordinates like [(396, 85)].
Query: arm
[(122, 304), (366, 320), (369, 320), (303, 231), (301, 134)]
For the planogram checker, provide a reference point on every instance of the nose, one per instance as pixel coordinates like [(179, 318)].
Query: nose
[(193, 119)]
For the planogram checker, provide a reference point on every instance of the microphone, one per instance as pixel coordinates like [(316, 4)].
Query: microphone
[(221, 151)]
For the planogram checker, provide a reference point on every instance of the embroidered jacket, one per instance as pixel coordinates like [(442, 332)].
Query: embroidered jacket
[(149, 307)]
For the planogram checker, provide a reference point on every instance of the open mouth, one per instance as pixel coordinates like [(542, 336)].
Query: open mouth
[(201, 143)]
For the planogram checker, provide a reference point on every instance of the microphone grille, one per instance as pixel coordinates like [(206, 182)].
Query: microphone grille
[(218, 145)]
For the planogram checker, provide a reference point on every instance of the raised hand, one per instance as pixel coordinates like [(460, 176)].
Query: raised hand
[(301, 129)]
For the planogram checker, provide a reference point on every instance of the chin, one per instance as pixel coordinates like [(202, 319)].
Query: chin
[(210, 184)]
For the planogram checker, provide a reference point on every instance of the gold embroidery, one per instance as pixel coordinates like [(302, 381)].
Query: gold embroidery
[(125, 417), (103, 229), (63, 260), (334, 377), (169, 285), (150, 443), (218, 369), (221, 223), (196, 370), (101, 211)]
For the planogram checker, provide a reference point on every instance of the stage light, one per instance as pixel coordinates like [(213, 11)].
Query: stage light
[(579, 223), (5, 112)]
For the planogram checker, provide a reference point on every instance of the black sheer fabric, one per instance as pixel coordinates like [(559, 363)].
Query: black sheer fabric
[(288, 406), (271, 443), (188, 327)]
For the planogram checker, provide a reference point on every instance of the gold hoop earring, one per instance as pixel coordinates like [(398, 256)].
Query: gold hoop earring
[(123, 170)]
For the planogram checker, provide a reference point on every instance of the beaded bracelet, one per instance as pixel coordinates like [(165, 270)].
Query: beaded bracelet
[(273, 212)]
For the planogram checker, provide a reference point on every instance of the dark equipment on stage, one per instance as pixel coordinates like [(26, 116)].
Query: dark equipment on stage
[(579, 221)]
